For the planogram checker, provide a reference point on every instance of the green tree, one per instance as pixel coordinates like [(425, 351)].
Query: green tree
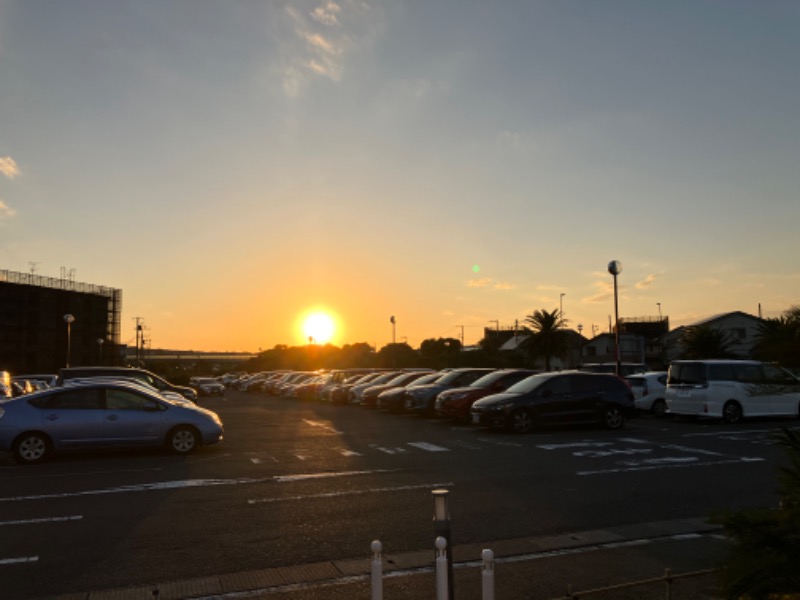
[(779, 339), (705, 341), (763, 561), (547, 336)]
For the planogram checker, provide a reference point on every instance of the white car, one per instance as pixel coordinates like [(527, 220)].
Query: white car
[(649, 391), (207, 386), (731, 390)]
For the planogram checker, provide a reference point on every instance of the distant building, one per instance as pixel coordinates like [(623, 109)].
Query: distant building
[(741, 328), (33, 332)]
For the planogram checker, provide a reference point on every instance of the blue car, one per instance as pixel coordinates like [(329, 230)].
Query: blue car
[(102, 415)]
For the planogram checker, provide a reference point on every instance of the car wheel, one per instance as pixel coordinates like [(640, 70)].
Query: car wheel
[(613, 417), (659, 408), (182, 440), (522, 421), (32, 448), (732, 412)]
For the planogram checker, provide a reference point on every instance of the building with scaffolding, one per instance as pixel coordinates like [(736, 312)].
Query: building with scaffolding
[(35, 337)]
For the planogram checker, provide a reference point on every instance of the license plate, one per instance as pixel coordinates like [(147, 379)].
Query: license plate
[(684, 394), (476, 418)]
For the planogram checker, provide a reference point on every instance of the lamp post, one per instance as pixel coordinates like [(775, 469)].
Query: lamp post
[(580, 343), (615, 268), (561, 306), (100, 351), (69, 320), (659, 311)]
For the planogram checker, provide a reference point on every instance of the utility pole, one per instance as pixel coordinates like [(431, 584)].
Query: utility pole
[(139, 338), (462, 336)]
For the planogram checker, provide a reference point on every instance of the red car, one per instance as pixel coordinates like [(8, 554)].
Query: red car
[(456, 403)]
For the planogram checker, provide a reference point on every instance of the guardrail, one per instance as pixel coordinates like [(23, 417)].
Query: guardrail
[(667, 579)]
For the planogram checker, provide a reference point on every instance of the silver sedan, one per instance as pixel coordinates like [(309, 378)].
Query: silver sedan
[(102, 415)]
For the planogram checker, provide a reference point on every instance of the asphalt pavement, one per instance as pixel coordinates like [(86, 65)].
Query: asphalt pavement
[(598, 564)]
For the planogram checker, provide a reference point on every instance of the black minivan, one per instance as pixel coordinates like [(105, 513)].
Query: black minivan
[(556, 399), (143, 375)]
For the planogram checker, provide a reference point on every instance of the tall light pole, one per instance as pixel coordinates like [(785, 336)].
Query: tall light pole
[(393, 321), (659, 311), (615, 268), (100, 351), (561, 306), (69, 320)]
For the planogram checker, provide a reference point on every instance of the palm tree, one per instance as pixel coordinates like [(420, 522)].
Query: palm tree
[(779, 339), (547, 336), (705, 341)]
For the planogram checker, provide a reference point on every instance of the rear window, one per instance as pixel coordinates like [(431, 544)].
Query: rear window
[(635, 381), (687, 374)]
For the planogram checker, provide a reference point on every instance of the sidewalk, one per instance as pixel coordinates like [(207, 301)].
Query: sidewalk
[(536, 568)]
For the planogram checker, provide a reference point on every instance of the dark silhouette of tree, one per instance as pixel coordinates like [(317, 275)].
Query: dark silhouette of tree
[(779, 339), (546, 336), (704, 341), (397, 356), (763, 562), (439, 353)]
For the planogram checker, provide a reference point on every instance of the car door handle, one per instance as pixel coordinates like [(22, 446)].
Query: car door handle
[(52, 417), (112, 417)]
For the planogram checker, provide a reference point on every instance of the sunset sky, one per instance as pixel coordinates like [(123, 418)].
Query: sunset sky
[(233, 166)]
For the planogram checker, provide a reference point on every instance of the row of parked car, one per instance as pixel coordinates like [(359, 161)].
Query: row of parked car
[(521, 398)]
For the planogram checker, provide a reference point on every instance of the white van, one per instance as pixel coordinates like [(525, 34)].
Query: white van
[(731, 390)]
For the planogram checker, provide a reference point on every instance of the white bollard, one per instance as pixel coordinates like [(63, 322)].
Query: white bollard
[(487, 574), (442, 591), (377, 570)]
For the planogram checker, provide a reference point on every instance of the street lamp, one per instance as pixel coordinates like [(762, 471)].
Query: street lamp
[(69, 320), (659, 311), (393, 321), (615, 268), (100, 351), (561, 306)]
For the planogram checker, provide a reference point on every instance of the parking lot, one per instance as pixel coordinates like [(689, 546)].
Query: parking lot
[(300, 483)]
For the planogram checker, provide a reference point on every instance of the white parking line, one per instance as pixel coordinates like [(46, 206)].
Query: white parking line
[(16, 561), (351, 493), (193, 483), (45, 520), (346, 452), (689, 462), (575, 445), (327, 475), (321, 425), (428, 447)]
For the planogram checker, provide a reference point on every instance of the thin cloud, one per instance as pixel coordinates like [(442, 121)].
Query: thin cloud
[(646, 282), (8, 167), (6, 212), (606, 291), (479, 283), (501, 285), (321, 43), (327, 14)]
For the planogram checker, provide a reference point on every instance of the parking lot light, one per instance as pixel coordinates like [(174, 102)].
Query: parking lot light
[(615, 268), (69, 320)]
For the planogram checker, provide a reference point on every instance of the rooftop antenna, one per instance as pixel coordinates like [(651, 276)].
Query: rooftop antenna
[(32, 265)]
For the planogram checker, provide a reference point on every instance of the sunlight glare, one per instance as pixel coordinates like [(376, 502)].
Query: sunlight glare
[(318, 328)]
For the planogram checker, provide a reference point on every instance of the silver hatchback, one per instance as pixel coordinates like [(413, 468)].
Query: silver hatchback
[(102, 415)]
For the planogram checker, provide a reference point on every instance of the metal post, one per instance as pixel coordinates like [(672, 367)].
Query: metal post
[(615, 268), (442, 589), (441, 523), (377, 570), (487, 575), (69, 320)]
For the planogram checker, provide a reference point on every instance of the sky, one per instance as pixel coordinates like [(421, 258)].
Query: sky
[(454, 164)]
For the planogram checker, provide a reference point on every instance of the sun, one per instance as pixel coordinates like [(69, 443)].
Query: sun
[(318, 327)]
